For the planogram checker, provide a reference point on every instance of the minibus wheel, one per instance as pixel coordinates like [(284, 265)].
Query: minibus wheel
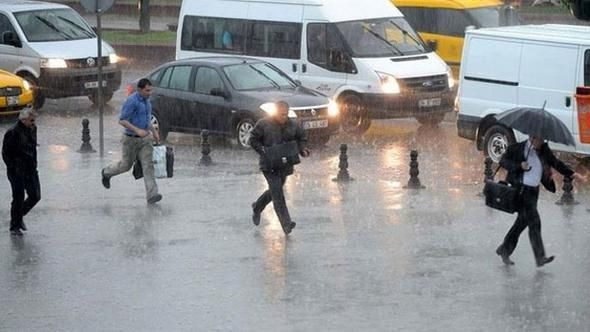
[(496, 140), (355, 119)]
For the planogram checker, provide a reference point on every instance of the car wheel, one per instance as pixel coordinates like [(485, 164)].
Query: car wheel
[(355, 118), (430, 119), (162, 128), (243, 133), (496, 141), (106, 97), (38, 97)]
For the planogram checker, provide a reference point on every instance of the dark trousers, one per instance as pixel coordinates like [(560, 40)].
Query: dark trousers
[(528, 216), (275, 179), (20, 206)]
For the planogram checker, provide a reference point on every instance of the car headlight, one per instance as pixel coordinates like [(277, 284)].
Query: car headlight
[(333, 109), (113, 58), (450, 78), (26, 85), (271, 109), (53, 63), (388, 83)]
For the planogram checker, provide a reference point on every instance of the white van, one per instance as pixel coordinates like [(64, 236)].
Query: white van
[(521, 66), (362, 54), (55, 49)]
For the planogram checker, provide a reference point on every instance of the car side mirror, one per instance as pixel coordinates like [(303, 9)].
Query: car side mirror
[(218, 92), (95, 29), (432, 45), (336, 58), (9, 38)]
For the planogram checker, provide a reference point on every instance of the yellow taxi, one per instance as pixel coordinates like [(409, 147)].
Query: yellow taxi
[(442, 23), (15, 94)]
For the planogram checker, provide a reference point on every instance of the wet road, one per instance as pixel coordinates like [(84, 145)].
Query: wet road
[(367, 255)]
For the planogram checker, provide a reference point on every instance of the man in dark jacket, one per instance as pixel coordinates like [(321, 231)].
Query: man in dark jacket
[(273, 130), (529, 164), (19, 151)]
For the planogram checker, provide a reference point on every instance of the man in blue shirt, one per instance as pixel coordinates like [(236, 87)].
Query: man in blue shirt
[(137, 141)]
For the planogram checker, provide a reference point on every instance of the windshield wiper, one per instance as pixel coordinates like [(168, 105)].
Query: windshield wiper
[(406, 33), (378, 36), (79, 27), (53, 27), (266, 76)]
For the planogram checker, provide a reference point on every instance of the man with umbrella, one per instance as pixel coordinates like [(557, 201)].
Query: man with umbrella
[(529, 164)]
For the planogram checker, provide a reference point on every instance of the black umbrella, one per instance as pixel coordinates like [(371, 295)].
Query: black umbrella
[(537, 122)]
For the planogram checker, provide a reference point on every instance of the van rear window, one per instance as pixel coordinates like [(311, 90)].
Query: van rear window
[(245, 37)]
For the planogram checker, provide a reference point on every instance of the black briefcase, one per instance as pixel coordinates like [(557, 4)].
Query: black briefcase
[(502, 196), (169, 161), (281, 155)]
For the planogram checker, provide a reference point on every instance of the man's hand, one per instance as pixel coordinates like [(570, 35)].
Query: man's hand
[(305, 153), (156, 134), (142, 133), (525, 166)]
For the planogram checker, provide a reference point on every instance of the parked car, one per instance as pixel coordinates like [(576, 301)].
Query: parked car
[(370, 61), (55, 49), (227, 95), (521, 66), (15, 94)]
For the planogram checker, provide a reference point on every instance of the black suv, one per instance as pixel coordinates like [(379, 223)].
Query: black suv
[(227, 95)]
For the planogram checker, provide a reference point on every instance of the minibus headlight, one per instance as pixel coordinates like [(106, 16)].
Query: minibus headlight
[(333, 109), (271, 109), (388, 83), (113, 58), (53, 63), (27, 85), (450, 78)]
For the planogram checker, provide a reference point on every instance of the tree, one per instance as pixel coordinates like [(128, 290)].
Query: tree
[(144, 16)]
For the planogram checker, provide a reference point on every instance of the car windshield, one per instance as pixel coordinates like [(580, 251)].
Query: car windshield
[(488, 17), (254, 76), (53, 25), (381, 37)]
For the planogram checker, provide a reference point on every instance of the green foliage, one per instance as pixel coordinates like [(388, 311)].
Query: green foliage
[(167, 38)]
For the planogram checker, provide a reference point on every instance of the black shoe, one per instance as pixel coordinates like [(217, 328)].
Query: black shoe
[(289, 228), (106, 180), (23, 227), (505, 258), (545, 260), (154, 199), (255, 215), (16, 232)]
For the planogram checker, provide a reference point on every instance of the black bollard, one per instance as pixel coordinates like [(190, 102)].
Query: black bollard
[(414, 181), (86, 147), (488, 173), (205, 149), (568, 197), (343, 175)]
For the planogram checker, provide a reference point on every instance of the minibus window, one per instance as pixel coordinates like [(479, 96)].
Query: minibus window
[(275, 40), (53, 25), (587, 68), (220, 35), (322, 39), (488, 17), (5, 26)]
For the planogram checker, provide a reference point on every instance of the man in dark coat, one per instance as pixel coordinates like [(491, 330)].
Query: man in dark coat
[(529, 164), (19, 151), (273, 130)]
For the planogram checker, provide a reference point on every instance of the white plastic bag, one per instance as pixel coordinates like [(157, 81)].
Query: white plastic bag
[(159, 158)]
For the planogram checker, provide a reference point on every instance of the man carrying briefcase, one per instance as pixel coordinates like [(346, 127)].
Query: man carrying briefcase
[(279, 141)]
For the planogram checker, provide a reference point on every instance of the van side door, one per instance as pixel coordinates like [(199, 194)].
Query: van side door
[(319, 71), (9, 54), (548, 74)]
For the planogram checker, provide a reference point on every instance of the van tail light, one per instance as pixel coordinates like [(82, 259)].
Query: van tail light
[(130, 89)]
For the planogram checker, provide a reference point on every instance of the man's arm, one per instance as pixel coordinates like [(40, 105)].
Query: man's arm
[(256, 138), (301, 136), (9, 145), (127, 112), (557, 164), (509, 161)]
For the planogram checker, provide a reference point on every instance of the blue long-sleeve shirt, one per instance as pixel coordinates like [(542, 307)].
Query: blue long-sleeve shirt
[(138, 111)]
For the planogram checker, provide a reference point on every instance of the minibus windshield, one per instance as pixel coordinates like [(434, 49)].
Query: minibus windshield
[(255, 76), (381, 37), (488, 17), (53, 25)]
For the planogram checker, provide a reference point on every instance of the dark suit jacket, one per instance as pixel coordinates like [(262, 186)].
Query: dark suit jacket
[(19, 149), (515, 155)]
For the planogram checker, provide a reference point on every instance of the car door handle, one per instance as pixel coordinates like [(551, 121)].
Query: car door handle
[(304, 68), (568, 101), (294, 68)]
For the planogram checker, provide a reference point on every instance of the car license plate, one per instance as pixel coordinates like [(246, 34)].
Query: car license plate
[(12, 100), (94, 85), (429, 102), (315, 124)]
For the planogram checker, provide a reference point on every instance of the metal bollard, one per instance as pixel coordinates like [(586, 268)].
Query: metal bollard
[(414, 181), (568, 197), (343, 175), (86, 147), (205, 149)]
